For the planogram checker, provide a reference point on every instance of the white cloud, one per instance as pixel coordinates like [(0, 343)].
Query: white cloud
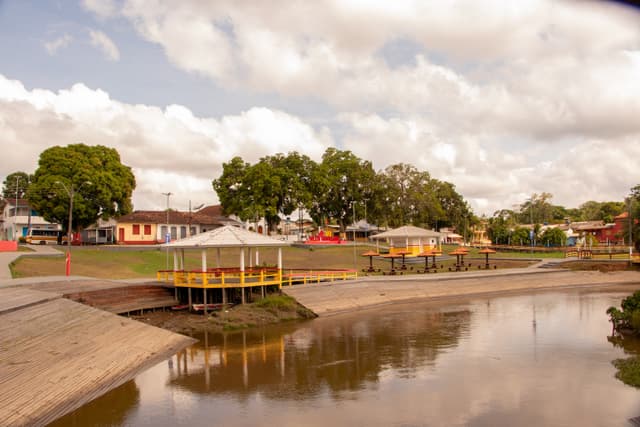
[(105, 44), (102, 8), (55, 45), (169, 149), (502, 99)]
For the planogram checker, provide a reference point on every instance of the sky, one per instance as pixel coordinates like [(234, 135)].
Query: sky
[(503, 99)]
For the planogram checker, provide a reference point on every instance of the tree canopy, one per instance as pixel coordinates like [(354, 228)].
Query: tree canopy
[(19, 181), (342, 188), (100, 184)]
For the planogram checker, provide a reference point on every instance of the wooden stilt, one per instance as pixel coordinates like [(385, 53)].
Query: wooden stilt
[(190, 300), (204, 297)]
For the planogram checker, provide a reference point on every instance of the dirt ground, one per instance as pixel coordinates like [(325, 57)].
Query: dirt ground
[(601, 266), (233, 318)]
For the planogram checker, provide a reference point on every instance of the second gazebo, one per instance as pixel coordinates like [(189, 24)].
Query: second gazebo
[(409, 238)]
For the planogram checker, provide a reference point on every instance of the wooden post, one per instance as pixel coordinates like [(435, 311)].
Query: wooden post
[(190, 300), (242, 267), (204, 267), (175, 262), (280, 268), (257, 258), (204, 297)]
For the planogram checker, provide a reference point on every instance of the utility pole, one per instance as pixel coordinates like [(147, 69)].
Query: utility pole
[(15, 216), (353, 205), (71, 193), (167, 237)]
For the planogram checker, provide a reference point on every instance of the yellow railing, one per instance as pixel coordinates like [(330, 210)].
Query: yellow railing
[(221, 279), (236, 279), (316, 276)]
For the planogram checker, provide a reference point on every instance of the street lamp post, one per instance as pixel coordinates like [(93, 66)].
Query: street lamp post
[(71, 191), (167, 237), (15, 212)]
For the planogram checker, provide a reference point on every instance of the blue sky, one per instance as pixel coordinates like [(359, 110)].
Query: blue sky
[(503, 99)]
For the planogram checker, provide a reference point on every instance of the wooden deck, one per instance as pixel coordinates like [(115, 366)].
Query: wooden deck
[(56, 354)]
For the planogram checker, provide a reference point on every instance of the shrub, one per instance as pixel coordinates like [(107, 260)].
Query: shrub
[(629, 317)]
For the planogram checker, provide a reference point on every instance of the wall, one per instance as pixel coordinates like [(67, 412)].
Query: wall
[(141, 238)]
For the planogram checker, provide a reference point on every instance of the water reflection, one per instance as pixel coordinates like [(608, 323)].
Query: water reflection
[(112, 407), (301, 362), (540, 359)]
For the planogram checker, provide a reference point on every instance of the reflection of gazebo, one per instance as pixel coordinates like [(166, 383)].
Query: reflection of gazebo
[(224, 278), (409, 238)]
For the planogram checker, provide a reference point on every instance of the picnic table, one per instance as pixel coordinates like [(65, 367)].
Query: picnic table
[(459, 254), (486, 252), (370, 254), (393, 257)]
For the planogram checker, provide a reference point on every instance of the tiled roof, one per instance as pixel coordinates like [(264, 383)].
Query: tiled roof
[(212, 210), (175, 217)]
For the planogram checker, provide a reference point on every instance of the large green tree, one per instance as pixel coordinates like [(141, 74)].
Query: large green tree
[(101, 186), (605, 211), (273, 186), (339, 186), (15, 185)]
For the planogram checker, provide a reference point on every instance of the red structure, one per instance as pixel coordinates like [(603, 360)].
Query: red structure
[(324, 239)]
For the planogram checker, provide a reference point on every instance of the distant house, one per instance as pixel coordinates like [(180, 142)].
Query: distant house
[(619, 227), (102, 232), (449, 236), (153, 227), (16, 220), (605, 234)]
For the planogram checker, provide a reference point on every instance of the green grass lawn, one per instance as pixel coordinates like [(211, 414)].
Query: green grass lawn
[(120, 263)]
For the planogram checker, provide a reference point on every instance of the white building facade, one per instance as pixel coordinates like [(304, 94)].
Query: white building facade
[(16, 220)]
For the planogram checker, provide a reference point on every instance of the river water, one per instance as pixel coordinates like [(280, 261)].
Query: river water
[(528, 360)]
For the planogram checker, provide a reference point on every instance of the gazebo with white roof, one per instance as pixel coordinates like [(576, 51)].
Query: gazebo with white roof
[(225, 237), (410, 238)]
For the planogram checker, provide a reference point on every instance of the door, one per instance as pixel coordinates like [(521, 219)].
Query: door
[(120, 235)]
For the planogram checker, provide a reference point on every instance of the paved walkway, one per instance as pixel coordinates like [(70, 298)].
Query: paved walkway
[(7, 258)]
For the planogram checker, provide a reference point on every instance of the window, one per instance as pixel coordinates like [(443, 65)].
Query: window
[(174, 233), (136, 229), (183, 232), (147, 229)]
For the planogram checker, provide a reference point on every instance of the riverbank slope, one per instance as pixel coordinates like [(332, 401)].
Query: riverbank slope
[(56, 354), (325, 299)]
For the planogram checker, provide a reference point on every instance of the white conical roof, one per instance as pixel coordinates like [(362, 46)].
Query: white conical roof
[(407, 231), (226, 237)]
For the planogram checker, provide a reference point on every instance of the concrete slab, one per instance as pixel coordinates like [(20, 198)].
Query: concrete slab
[(332, 298)]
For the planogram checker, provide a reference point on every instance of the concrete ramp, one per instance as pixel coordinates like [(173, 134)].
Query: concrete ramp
[(56, 354), (330, 298)]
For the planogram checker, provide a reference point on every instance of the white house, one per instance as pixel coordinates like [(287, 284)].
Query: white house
[(16, 222)]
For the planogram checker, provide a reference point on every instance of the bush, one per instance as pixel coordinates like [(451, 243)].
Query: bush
[(277, 302), (628, 371), (629, 317), (22, 239)]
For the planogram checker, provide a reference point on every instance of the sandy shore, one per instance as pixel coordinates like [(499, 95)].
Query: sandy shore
[(332, 298)]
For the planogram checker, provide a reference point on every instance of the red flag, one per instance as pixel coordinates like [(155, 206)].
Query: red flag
[(68, 264)]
